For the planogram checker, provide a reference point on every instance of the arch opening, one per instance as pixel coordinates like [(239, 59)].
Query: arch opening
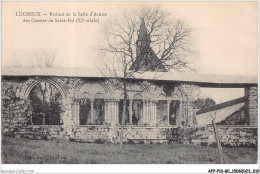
[(46, 103)]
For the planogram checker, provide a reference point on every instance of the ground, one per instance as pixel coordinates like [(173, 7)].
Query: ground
[(25, 151)]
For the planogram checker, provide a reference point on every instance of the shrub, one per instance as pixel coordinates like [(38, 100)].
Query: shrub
[(100, 141)]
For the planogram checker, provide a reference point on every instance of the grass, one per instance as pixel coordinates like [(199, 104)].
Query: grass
[(25, 151)]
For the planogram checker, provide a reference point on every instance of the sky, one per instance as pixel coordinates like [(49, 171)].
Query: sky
[(224, 34)]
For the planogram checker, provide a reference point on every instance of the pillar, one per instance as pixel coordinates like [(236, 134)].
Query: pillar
[(116, 102), (151, 111), (251, 111), (144, 112), (105, 109), (148, 113), (155, 112), (108, 112), (76, 111), (92, 111), (168, 112), (112, 112), (179, 118), (185, 113), (130, 112)]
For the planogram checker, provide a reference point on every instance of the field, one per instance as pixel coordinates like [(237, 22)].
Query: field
[(24, 151)]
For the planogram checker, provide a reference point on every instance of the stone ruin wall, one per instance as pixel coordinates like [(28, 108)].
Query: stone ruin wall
[(229, 136), (20, 112), (252, 108), (18, 125)]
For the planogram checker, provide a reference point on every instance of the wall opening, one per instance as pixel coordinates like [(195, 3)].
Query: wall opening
[(84, 111), (161, 108), (99, 111), (174, 111), (121, 105), (46, 103), (228, 104), (137, 112)]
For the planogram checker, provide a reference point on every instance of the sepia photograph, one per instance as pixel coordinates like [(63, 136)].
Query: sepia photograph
[(130, 83)]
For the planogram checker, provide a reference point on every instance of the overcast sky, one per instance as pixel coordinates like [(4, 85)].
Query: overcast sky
[(224, 33)]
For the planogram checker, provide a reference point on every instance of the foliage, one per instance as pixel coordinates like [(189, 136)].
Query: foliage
[(201, 103), (44, 58), (164, 38), (170, 39)]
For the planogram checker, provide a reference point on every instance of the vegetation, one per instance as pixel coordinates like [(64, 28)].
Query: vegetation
[(201, 103), (24, 151), (136, 36)]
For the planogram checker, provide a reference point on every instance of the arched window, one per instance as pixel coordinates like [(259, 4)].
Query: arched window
[(174, 111), (161, 109), (92, 104), (99, 109), (121, 107), (84, 111), (46, 102), (137, 109)]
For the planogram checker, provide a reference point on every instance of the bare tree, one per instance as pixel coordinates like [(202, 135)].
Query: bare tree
[(168, 39), (44, 58)]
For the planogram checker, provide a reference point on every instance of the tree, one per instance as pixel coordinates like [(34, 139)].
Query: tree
[(127, 50), (201, 103), (44, 58)]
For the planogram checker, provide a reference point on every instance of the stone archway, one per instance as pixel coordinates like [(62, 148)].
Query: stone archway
[(51, 81), (46, 101)]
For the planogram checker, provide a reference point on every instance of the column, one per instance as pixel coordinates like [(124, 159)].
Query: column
[(149, 118), (73, 110), (76, 111), (251, 109), (130, 112), (116, 111), (43, 119), (188, 113), (152, 113), (144, 112), (105, 108), (155, 112), (147, 111), (108, 112), (112, 112), (180, 116), (92, 111), (168, 112), (186, 107)]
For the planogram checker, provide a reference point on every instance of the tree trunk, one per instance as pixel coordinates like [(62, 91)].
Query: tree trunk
[(218, 142), (123, 117)]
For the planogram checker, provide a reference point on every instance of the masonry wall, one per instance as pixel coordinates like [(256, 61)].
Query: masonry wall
[(228, 135), (97, 134), (16, 112), (252, 108)]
